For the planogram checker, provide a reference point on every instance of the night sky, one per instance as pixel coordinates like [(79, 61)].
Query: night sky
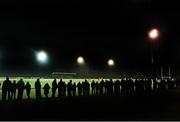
[(96, 30)]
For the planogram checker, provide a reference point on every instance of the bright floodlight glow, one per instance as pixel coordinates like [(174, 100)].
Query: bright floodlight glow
[(42, 57), (80, 60), (111, 62), (153, 34)]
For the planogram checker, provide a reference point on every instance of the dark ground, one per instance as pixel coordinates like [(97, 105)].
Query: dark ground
[(162, 105)]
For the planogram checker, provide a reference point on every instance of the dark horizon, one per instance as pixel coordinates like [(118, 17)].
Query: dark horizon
[(95, 30)]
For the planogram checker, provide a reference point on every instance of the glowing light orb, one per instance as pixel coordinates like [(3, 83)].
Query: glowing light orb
[(111, 62), (42, 57), (80, 60), (154, 34)]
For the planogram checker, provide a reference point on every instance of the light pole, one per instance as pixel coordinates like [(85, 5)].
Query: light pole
[(111, 63), (153, 36), (81, 63), (42, 60)]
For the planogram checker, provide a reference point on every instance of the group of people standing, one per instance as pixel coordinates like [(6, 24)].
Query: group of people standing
[(103, 87), (9, 89)]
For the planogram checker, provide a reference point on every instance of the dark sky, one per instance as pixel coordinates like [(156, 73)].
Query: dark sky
[(97, 30)]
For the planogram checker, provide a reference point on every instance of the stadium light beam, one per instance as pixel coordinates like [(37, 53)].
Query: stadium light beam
[(80, 60), (42, 57), (111, 62), (153, 34)]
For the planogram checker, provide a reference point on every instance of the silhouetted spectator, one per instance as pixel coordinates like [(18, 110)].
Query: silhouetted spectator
[(79, 86), (141, 85), (54, 87), (69, 88), (155, 85), (13, 90), (20, 86), (131, 86), (170, 84), (60, 88), (123, 86), (38, 89), (83, 89), (106, 86), (101, 86), (28, 89), (162, 84), (111, 83), (117, 87), (110, 87), (96, 88), (74, 89), (46, 89), (63, 89), (85, 86), (93, 87), (148, 84), (6, 89), (128, 86)]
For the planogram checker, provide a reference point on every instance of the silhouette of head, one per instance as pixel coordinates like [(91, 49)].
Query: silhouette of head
[(7, 78)]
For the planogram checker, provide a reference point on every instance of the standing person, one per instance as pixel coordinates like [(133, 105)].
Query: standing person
[(155, 85), (101, 85), (111, 84), (28, 89), (46, 89), (69, 88), (10, 90), (87, 87), (38, 89), (54, 87), (6, 88), (63, 88), (60, 88), (74, 89), (96, 88), (117, 87), (83, 88), (79, 86), (13, 90), (93, 87), (20, 86)]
